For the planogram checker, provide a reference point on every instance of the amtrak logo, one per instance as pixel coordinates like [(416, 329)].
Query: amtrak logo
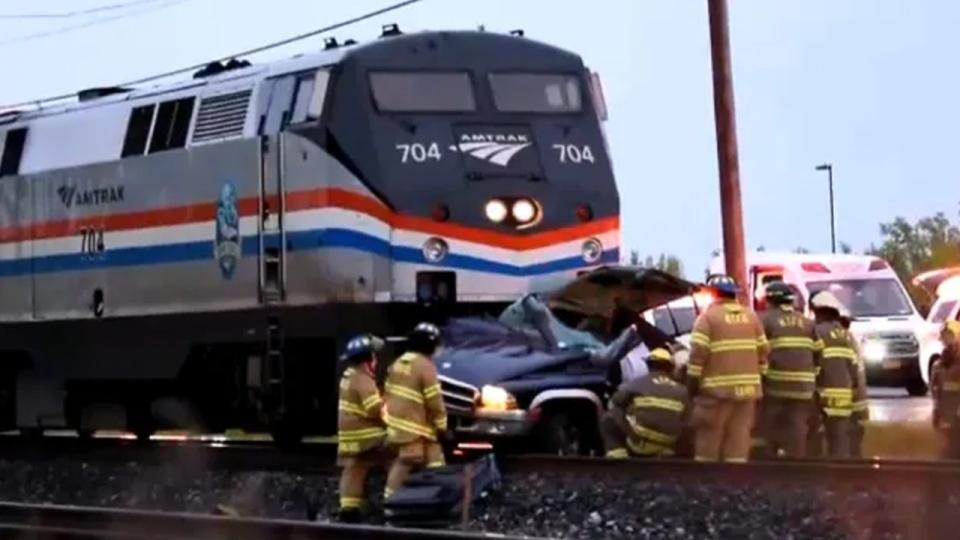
[(498, 149), (227, 243), (70, 196)]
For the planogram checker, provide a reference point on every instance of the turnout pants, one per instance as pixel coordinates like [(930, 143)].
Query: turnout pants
[(613, 431), (723, 428), (353, 478), (785, 425), (411, 455), (838, 432)]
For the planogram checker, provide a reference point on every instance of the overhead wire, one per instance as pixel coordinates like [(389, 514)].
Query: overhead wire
[(256, 50), (75, 13), (95, 22)]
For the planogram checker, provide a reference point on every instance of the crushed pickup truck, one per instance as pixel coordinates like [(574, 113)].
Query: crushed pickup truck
[(538, 377)]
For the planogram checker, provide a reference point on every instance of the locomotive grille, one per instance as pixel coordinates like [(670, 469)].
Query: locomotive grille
[(222, 117), (457, 396)]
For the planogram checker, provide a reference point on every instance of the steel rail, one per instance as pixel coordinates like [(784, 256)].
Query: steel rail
[(245, 455), (76, 522)]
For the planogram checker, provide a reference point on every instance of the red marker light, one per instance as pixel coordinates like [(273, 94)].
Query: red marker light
[(584, 212), (440, 212), (879, 264), (814, 267)]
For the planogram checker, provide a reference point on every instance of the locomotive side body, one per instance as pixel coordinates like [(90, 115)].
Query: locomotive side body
[(194, 254)]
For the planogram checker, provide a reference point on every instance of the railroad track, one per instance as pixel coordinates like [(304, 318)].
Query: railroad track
[(919, 492), (247, 455), (41, 522)]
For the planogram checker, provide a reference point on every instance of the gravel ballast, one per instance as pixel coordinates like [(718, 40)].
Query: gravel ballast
[(562, 506)]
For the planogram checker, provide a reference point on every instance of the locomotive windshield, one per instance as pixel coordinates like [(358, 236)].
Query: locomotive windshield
[(536, 92), (422, 92)]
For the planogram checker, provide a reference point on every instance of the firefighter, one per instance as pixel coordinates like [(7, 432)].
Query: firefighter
[(839, 373), (861, 403), (791, 379), (945, 389), (646, 414), (361, 432), (728, 355), (415, 414)]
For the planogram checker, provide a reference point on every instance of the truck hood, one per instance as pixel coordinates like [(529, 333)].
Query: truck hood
[(510, 357), (598, 292)]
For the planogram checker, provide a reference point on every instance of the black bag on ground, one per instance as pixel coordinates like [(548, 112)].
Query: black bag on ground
[(434, 497)]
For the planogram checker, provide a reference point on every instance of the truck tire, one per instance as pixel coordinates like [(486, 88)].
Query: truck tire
[(566, 433), (915, 386)]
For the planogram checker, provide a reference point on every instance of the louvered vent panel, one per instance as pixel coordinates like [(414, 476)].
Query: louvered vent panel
[(222, 117)]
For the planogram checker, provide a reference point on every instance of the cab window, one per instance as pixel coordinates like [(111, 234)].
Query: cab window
[(422, 91), (536, 92)]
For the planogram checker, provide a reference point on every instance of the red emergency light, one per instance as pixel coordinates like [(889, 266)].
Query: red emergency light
[(878, 264), (814, 267)]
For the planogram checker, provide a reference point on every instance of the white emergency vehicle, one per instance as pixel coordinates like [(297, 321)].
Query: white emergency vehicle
[(886, 323)]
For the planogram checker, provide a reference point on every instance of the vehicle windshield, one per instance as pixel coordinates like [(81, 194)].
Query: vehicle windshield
[(536, 92), (867, 297), (942, 311)]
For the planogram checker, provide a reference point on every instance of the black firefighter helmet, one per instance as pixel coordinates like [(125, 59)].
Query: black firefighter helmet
[(424, 338)]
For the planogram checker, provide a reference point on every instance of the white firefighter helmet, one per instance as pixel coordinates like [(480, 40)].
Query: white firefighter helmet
[(828, 300)]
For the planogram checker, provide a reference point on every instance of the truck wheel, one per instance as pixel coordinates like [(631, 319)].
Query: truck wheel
[(562, 434), (916, 387)]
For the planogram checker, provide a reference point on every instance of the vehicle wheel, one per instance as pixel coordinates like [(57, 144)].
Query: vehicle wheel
[(562, 434), (916, 387)]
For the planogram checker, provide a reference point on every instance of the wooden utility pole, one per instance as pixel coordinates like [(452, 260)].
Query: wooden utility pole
[(725, 118)]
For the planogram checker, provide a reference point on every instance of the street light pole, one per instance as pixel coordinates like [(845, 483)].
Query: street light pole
[(833, 222)]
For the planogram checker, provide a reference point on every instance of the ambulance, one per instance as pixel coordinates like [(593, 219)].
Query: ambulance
[(886, 323)]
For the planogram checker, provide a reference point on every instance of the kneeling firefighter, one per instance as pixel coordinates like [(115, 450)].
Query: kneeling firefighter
[(361, 431), (839, 373), (415, 415), (646, 414)]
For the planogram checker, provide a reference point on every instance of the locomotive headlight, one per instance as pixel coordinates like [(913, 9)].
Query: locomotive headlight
[(495, 398), (524, 211), (435, 249), (496, 211), (591, 250)]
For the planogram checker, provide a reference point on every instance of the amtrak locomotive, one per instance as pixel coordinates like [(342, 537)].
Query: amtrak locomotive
[(193, 254)]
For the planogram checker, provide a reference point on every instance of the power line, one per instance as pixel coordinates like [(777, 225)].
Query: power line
[(94, 22), (287, 41), (76, 13)]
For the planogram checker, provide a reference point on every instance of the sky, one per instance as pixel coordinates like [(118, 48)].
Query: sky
[(870, 86)]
